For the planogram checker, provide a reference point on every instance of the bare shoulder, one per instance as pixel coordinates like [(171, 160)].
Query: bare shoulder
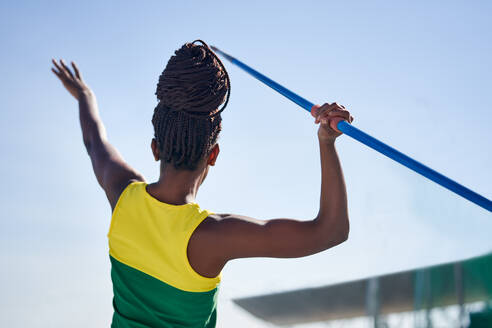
[(203, 251), (224, 221), (216, 238), (215, 226)]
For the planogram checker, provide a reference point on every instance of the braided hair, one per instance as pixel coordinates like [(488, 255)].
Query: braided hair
[(187, 118)]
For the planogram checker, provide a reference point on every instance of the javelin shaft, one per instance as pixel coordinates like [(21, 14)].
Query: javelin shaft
[(370, 141)]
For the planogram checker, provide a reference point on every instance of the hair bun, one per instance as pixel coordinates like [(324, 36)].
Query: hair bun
[(194, 81)]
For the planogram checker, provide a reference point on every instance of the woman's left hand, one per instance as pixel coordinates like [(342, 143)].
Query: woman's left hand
[(72, 82)]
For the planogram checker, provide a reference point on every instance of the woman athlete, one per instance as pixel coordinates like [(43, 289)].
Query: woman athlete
[(166, 252)]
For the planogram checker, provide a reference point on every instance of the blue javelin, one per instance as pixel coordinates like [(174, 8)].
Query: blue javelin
[(370, 141)]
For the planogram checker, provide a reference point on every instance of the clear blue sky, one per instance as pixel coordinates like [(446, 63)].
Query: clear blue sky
[(414, 74)]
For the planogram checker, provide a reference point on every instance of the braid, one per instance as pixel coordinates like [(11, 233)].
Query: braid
[(187, 119)]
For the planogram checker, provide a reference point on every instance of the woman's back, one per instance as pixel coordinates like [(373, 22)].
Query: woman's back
[(154, 284)]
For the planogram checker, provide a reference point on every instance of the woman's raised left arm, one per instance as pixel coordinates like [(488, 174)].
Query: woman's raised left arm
[(111, 170)]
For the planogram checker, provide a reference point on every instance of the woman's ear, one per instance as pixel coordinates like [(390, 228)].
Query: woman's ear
[(214, 153), (155, 149)]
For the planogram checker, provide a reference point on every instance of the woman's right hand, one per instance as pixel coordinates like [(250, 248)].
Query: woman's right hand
[(328, 116)]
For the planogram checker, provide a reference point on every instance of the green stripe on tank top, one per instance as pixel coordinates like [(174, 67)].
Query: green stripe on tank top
[(142, 301)]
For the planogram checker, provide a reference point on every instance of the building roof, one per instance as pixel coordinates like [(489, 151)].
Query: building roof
[(437, 286)]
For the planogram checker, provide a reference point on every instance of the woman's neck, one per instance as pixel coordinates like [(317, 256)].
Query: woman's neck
[(176, 187)]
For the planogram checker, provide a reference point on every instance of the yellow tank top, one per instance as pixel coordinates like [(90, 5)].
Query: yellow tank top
[(152, 237)]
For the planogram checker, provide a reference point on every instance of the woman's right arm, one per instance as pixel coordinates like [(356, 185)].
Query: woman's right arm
[(227, 236)]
